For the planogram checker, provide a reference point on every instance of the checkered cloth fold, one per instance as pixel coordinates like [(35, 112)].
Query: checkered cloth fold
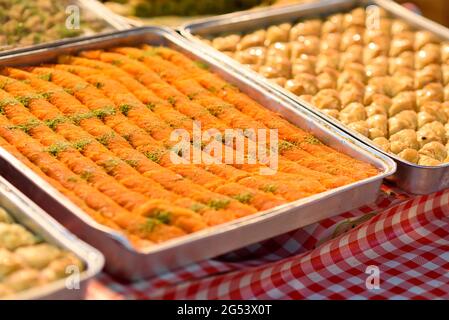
[(404, 239)]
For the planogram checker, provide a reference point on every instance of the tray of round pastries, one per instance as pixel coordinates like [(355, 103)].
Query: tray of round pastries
[(373, 68), (39, 259)]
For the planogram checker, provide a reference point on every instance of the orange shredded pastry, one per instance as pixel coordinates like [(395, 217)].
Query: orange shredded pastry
[(97, 126)]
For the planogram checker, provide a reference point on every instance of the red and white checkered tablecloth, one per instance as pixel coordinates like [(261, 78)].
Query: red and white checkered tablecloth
[(405, 239)]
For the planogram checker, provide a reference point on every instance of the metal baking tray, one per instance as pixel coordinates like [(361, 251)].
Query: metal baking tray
[(92, 8), (411, 177), (121, 259), (38, 222)]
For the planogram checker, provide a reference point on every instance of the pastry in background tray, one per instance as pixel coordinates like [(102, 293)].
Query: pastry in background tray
[(386, 81), (177, 12), (29, 22), (26, 261)]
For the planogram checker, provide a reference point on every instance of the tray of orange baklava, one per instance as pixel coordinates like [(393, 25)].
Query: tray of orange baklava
[(91, 131)]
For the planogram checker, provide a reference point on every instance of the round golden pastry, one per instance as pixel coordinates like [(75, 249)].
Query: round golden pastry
[(399, 26), (377, 47), (403, 120), (23, 279), (306, 97), (360, 126), (305, 45), (433, 131), (428, 54), (398, 84), (349, 76), (401, 42), (281, 64), (436, 110), (325, 61), (270, 72), (254, 55), (423, 37), (306, 28), (330, 43), (405, 100), (333, 24), (404, 72), (354, 18), (353, 53), (279, 81), (327, 79), (376, 85), (57, 269), (424, 118), (404, 139), (431, 92), (13, 236), (428, 74), (304, 64), (378, 126), (5, 217), (327, 99), (445, 52), (351, 36), (435, 150), (331, 112), (302, 84), (9, 263), (351, 92), (410, 155), (377, 67), (377, 104), (445, 73), (405, 59), (280, 48), (279, 33), (227, 43), (428, 161), (38, 256), (255, 39), (352, 112), (383, 143)]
